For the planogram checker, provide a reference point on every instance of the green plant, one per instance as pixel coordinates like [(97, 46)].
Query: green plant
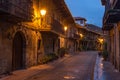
[(61, 52), (105, 54), (80, 48), (52, 56), (47, 58), (83, 47)]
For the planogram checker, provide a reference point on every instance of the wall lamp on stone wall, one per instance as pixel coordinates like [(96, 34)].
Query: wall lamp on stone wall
[(43, 12), (101, 40), (65, 28), (81, 35)]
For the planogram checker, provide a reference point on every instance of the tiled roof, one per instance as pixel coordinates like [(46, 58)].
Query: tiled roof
[(94, 28), (79, 18)]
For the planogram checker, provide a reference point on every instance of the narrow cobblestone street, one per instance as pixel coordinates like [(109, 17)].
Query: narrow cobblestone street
[(98, 70), (77, 67), (59, 40), (109, 72), (104, 70)]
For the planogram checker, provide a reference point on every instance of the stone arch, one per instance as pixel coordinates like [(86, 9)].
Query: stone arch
[(19, 51)]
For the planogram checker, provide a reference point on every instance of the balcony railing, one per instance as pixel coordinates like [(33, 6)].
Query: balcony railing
[(76, 36), (52, 25), (112, 9), (9, 8), (57, 26)]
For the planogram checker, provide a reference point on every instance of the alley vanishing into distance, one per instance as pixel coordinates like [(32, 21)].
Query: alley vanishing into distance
[(43, 40)]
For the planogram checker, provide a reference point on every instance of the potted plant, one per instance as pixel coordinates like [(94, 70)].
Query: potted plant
[(105, 54)]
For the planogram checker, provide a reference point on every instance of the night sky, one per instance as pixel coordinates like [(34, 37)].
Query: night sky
[(92, 10)]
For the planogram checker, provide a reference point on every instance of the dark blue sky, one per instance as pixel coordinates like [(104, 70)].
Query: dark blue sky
[(92, 10)]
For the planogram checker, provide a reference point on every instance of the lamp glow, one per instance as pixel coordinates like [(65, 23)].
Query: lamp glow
[(65, 28), (43, 12), (101, 40), (81, 35)]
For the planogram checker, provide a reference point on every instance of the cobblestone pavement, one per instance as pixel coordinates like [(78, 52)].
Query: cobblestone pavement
[(78, 67), (74, 67), (104, 70), (109, 72), (98, 70)]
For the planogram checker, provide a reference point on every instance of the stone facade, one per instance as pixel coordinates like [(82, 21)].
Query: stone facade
[(30, 37), (50, 42), (111, 25), (114, 45), (26, 37), (89, 36), (72, 42)]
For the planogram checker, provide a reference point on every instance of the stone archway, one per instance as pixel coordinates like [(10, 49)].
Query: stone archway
[(18, 56)]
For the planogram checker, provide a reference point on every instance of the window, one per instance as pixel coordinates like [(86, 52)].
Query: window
[(81, 21)]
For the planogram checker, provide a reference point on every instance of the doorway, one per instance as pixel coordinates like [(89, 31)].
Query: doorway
[(18, 60)]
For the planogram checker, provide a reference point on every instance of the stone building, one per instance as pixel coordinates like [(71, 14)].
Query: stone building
[(73, 37), (26, 35), (89, 35), (17, 42), (52, 29), (95, 37), (111, 27)]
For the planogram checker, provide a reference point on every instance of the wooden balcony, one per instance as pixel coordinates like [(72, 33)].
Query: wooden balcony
[(116, 4), (57, 27), (107, 27), (53, 26), (112, 16), (76, 36), (112, 13), (12, 12), (73, 36)]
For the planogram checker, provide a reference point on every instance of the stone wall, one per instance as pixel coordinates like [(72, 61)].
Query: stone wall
[(50, 42), (5, 47), (7, 33)]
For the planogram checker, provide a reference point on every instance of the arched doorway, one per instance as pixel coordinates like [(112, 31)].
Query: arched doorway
[(38, 50), (18, 56)]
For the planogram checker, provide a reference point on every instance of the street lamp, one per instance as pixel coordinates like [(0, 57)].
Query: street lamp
[(101, 41), (65, 28), (81, 35), (43, 12)]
